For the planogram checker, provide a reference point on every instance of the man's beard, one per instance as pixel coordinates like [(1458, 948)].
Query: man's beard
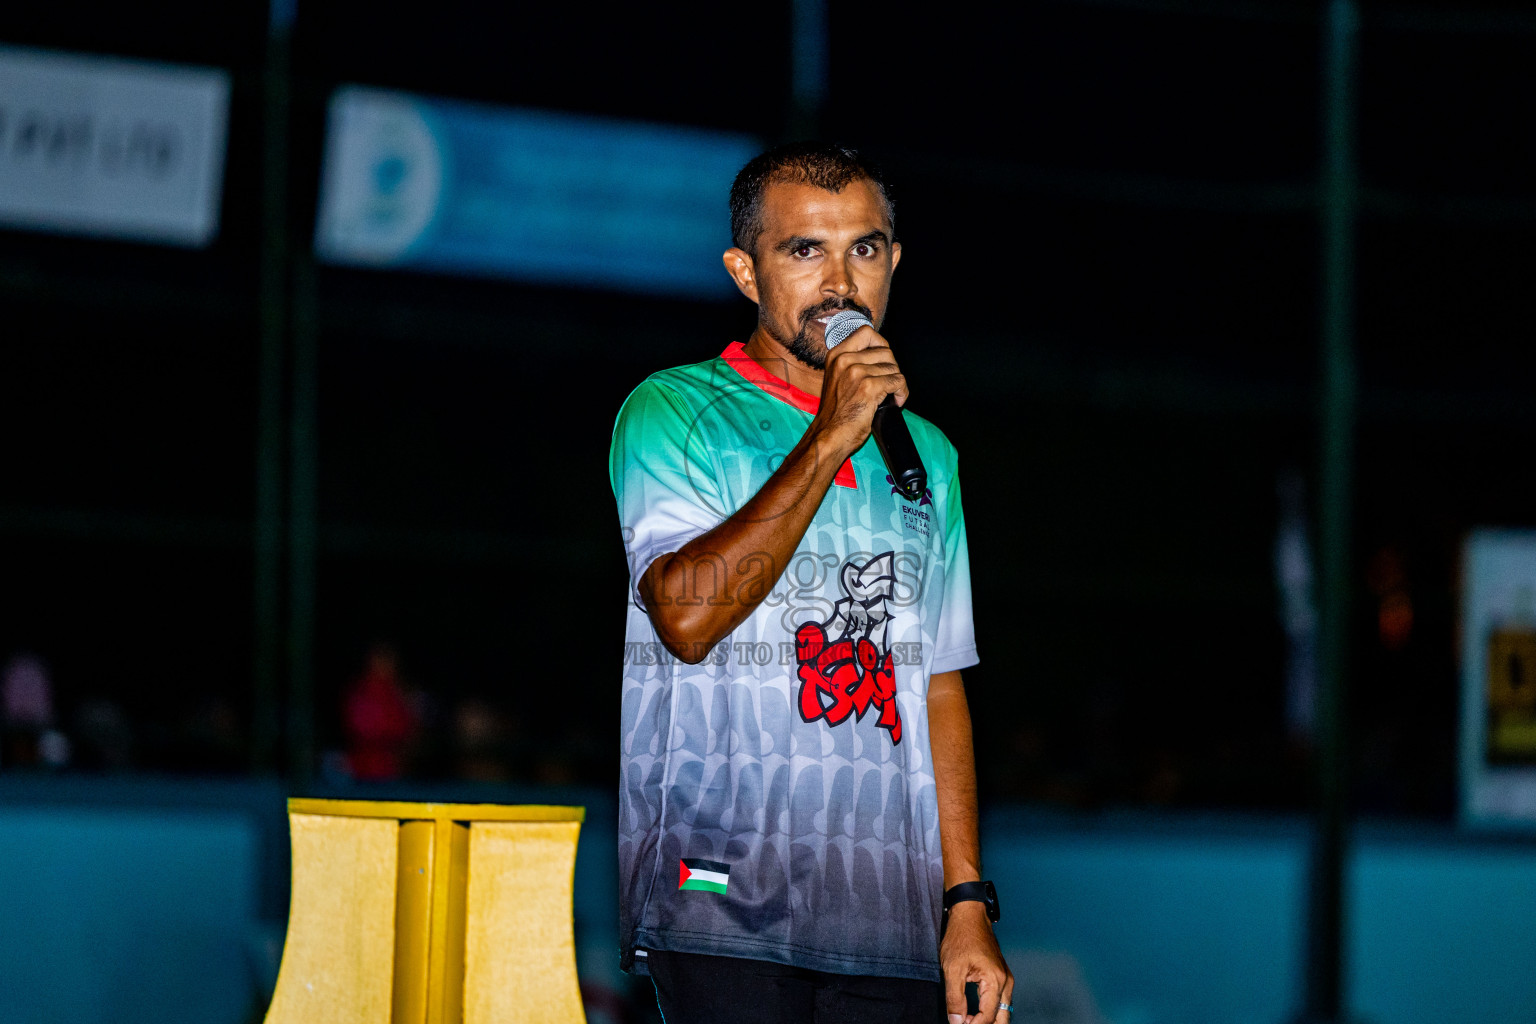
[(810, 350)]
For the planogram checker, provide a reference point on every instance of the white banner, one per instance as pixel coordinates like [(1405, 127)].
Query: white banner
[(1498, 678), (111, 147)]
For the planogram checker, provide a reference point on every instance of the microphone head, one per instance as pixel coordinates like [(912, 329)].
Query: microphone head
[(844, 323)]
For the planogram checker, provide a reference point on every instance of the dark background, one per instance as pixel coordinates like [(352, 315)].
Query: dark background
[(1110, 302)]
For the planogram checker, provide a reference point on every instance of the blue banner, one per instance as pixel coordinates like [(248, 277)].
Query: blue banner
[(411, 182)]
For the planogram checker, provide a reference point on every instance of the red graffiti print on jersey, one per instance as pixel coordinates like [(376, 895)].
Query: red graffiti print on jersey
[(845, 662)]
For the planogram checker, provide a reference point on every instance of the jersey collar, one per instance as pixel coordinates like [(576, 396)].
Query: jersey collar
[(753, 372), (736, 355)]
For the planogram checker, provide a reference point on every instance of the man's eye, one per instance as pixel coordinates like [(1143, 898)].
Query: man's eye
[(863, 249), (805, 252)]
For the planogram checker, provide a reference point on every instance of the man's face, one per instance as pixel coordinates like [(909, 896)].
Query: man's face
[(820, 252)]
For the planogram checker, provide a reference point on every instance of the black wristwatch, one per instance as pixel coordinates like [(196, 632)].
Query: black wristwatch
[(982, 892)]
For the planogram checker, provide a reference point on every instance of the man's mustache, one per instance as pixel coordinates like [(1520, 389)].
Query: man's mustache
[(833, 306)]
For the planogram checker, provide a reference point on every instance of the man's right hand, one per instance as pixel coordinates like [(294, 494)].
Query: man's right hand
[(752, 547), (859, 373), (748, 552)]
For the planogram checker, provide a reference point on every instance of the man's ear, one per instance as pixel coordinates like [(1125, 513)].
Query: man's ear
[(895, 255), (738, 263)]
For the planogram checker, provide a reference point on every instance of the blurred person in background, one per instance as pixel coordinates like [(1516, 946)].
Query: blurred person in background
[(208, 738), (481, 742), (26, 711), (381, 719), (796, 741), (104, 735)]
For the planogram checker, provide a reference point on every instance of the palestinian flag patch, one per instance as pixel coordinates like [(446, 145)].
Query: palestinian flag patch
[(703, 875)]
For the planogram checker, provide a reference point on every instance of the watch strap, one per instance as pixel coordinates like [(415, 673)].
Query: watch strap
[(982, 892)]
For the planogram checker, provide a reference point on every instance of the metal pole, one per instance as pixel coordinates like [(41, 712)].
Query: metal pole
[(303, 524), (1325, 999), (303, 497), (273, 319)]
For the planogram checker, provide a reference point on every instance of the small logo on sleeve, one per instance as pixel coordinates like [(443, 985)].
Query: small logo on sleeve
[(703, 875)]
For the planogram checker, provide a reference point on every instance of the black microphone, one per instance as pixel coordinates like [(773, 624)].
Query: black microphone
[(891, 434)]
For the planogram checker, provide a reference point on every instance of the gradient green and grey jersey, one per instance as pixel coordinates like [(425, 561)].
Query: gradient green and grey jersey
[(777, 799)]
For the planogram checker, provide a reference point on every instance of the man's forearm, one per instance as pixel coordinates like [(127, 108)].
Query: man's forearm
[(954, 775), (695, 596), (969, 950)]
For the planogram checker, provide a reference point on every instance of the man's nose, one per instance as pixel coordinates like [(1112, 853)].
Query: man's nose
[(838, 281)]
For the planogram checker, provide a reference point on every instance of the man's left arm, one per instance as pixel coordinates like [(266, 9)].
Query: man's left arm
[(969, 951)]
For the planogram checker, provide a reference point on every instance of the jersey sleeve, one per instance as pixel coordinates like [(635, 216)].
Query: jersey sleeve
[(955, 639), (663, 477)]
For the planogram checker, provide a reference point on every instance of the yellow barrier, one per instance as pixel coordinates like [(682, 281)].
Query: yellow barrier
[(429, 914)]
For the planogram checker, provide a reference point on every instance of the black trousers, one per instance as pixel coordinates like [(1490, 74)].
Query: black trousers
[(692, 988)]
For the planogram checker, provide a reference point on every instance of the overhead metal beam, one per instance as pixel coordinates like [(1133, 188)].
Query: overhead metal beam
[(1401, 19)]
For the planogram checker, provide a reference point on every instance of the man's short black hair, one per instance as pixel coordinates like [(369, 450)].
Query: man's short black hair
[(799, 163)]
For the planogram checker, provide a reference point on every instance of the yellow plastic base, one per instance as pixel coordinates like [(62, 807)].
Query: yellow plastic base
[(429, 914)]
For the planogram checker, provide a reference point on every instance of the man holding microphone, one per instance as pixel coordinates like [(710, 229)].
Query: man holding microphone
[(798, 824)]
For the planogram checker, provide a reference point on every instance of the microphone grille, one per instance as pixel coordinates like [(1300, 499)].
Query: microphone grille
[(843, 324)]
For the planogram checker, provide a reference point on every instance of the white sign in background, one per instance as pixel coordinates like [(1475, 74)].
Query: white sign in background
[(1498, 590), (111, 147)]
